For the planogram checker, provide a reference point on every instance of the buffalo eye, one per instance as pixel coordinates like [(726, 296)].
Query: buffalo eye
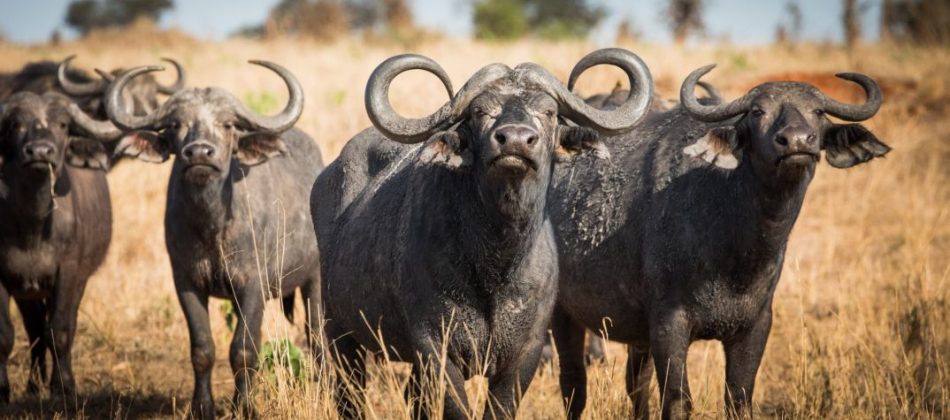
[(550, 113), (228, 125), (819, 112), (63, 125), (758, 112)]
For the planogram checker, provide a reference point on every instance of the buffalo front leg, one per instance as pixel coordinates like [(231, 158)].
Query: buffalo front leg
[(669, 343), (506, 389), (195, 306), (428, 371), (569, 339), (312, 304), (63, 311), (244, 347), (6, 344), (743, 356), (639, 372), (351, 376), (34, 320)]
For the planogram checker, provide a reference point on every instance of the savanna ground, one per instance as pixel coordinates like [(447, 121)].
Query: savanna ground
[(861, 314)]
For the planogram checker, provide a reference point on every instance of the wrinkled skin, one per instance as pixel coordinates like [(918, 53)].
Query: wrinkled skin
[(56, 229), (234, 205), (681, 236), (496, 287)]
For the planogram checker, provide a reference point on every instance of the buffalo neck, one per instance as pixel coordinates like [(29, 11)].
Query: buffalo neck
[(32, 195), (207, 204)]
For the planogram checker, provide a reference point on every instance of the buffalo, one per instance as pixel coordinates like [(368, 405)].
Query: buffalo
[(56, 226), (434, 231), (140, 95), (235, 224), (681, 235)]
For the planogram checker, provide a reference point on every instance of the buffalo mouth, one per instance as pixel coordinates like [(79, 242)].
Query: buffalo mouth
[(798, 158), (512, 161), (202, 167), (39, 164)]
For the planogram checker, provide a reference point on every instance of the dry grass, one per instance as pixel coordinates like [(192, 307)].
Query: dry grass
[(861, 314)]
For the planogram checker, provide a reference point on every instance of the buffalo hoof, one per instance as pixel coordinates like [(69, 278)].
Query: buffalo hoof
[(202, 410)]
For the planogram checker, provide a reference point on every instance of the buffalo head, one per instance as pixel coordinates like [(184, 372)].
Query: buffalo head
[(140, 95), (41, 133), (782, 127), (205, 127), (504, 124)]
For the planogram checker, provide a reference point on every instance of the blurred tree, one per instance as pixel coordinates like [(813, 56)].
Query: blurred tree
[(685, 17), (553, 19), (86, 15), (924, 22), (327, 19), (626, 32), (790, 29), (499, 19), (851, 22)]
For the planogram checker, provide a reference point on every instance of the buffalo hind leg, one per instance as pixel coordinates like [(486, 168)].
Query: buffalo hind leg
[(569, 339), (669, 343), (195, 306), (244, 348), (639, 373), (6, 344), (34, 320), (743, 355)]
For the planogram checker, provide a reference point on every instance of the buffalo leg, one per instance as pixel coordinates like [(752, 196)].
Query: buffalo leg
[(743, 355), (245, 345), (313, 305), (639, 372), (6, 344), (669, 342), (595, 347), (569, 338), (34, 320), (508, 387), (195, 306), (455, 400), (63, 311), (351, 380)]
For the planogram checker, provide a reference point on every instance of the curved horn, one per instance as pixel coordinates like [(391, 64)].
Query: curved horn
[(108, 77), (415, 130), (286, 118), (849, 112), (115, 108), (179, 83), (711, 90), (711, 113), (103, 130), (616, 120), (74, 88)]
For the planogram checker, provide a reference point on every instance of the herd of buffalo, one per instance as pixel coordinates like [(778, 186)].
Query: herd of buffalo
[(454, 242)]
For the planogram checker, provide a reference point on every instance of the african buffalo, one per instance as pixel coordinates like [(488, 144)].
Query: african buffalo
[(443, 241), (237, 224), (56, 226), (682, 234)]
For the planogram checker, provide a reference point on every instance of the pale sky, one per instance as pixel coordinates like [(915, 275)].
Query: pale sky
[(743, 21)]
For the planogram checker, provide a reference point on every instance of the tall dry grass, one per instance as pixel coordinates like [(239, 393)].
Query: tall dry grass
[(861, 313)]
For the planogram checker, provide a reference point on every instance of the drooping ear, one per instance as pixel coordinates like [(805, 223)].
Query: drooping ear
[(87, 153), (573, 140), (847, 145), (256, 148), (449, 149), (718, 147), (144, 145)]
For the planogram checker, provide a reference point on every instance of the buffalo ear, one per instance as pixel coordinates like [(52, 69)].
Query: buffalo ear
[(719, 147), (847, 145), (257, 148), (449, 149), (87, 153), (144, 145), (573, 140)]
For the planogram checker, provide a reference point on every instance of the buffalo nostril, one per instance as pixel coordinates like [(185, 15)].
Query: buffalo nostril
[(188, 153), (500, 137), (811, 139), (209, 152), (532, 139), (781, 140)]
